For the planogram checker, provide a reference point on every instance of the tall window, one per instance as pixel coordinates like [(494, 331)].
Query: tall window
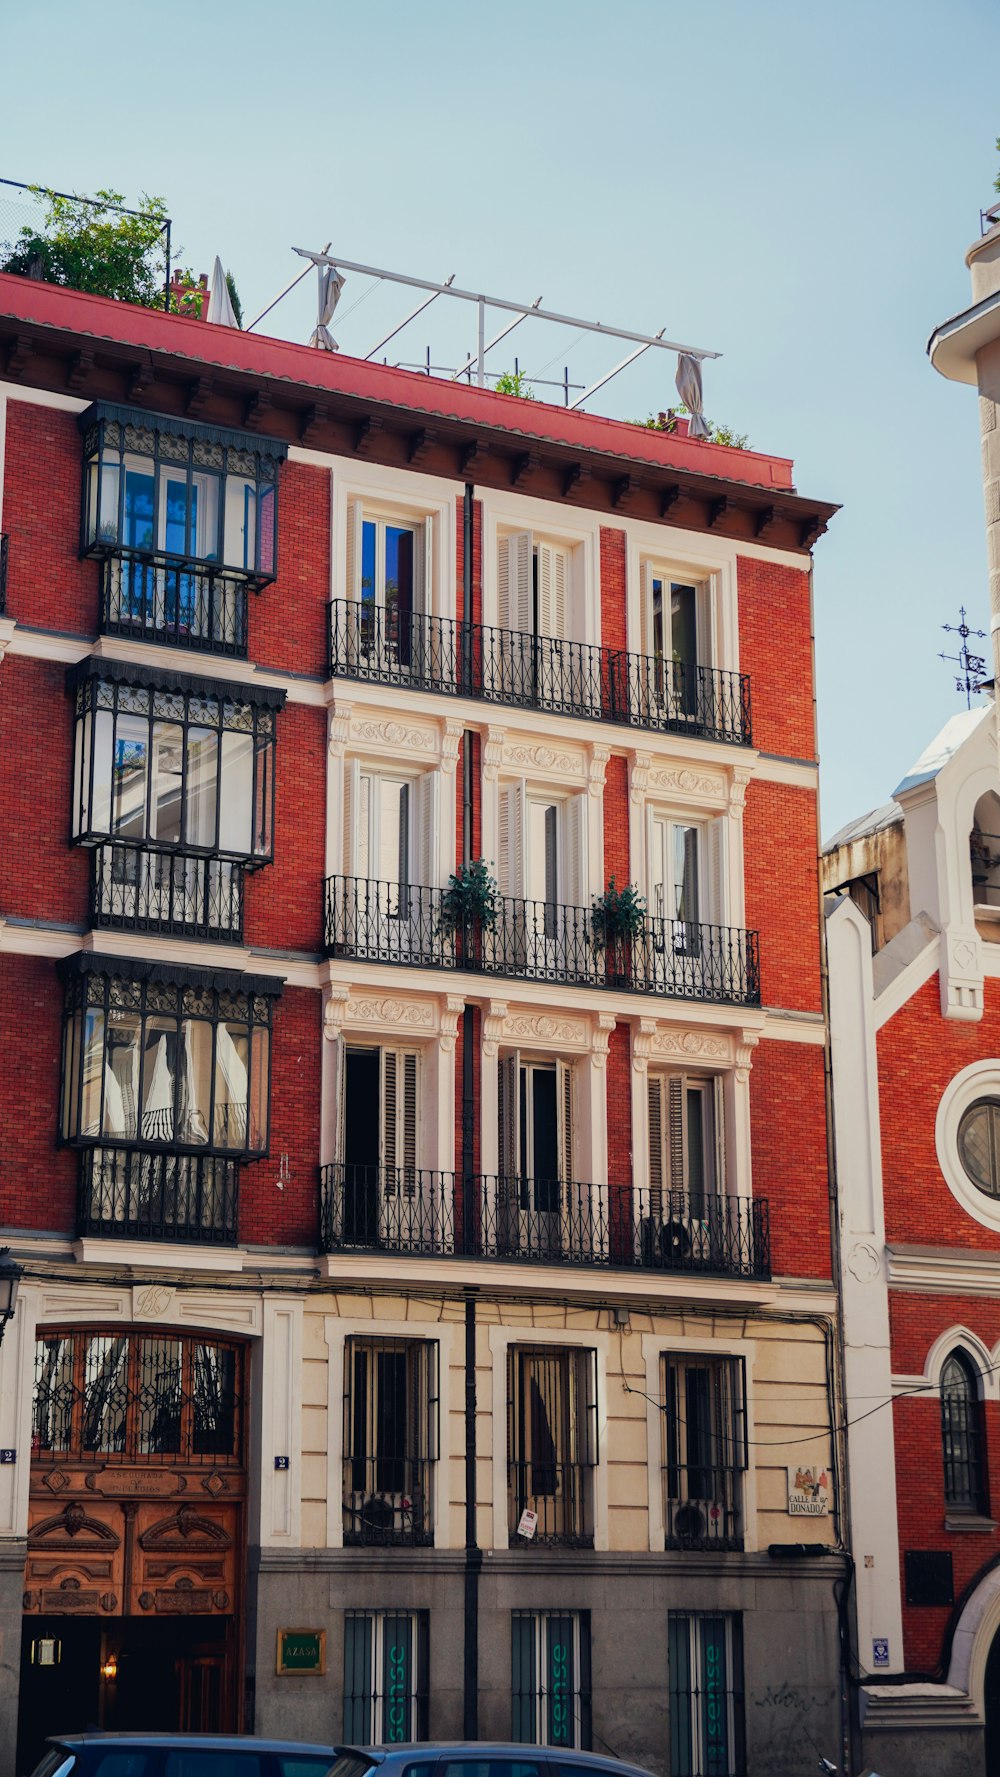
[(962, 1436), (550, 1678), (535, 1139), (704, 1451), (551, 1445), (534, 586), (388, 583), (707, 1728), (390, 1440), (686, 1155), (136, 1397), (385, 1677)]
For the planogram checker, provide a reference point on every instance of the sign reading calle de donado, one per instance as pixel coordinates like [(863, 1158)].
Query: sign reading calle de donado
[(808, 1490)]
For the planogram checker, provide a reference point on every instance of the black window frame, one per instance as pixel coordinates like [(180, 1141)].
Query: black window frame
[(534, 1705), (377, 1701), (550, 1467), (395, 1485), (695, 1758), (704, 1451), (963, 1441)]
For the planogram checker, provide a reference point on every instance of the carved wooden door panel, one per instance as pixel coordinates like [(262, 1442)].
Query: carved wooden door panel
[(76, 1559)]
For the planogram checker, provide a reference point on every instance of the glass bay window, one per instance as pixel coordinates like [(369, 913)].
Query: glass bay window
[(156, 1058), (159, 486), (167, 761)]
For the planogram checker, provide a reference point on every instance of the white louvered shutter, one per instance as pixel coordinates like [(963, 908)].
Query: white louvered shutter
[(352, 850), (655, 1107), (713, 910), (719, 1131), (514, 589), (352, 578), (553, 590), (511, 860), (646, 629), (574, 883), (564, 1114), (677, 1131), (704, 637), (508, 1116), (399, 1115), (426, 825)]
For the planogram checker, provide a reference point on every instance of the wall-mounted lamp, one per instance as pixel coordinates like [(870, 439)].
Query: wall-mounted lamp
[(109, 1668), (10, 1276)]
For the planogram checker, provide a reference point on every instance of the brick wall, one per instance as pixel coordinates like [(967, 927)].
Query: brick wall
[(614, 615), (476, 613), (289, 1216), (41, 875), (38, 1180), (619, 1090), (788, 1138), (782, 892), (919, 1053), (617, 860), (776, 650), (48, 587), (284, 901), (288, 624)]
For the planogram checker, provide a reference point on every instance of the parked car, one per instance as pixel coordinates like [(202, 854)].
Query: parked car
[(243, 1755)]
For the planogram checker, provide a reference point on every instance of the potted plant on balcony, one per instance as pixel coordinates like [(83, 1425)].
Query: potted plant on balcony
[(617, 919), (469, 907)]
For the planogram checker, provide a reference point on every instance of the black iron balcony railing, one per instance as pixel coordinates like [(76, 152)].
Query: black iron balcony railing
[(541, 941), (152, 598), (387, 1501), (4, 542), (138, 890), (702, 1507), (390, 647), (432, 1214), (126, 1194), (558, 1494)]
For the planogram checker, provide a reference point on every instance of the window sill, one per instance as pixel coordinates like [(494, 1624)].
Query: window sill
[(970, 1521)]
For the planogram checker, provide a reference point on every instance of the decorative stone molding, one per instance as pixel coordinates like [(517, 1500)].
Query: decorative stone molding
[(453, 1008), (681, 781), (962, 978), (744, 1055), (638, 775), (642, 1043), (738, 793), (451, 737), (338, 728), (334, 1007), (492, 753), (690, 1045), (604, 1024), (410, 1014), (398, 735), (494, 1020), (542, 1028), (527, 757), (597, 767)]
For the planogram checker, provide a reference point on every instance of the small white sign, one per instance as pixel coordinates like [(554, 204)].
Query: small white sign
[(527, 1525), (808, 1491)]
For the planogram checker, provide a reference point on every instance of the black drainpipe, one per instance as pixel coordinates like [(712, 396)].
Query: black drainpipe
[(473, 1553)]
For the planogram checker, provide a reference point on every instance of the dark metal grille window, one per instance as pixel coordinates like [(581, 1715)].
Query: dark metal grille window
[(385, 1677), (551, 1445), (962, 1436), (390, 1440), (704, 1451), (128, 1397), (550, 1679), (979, 1144), (707, 1722)]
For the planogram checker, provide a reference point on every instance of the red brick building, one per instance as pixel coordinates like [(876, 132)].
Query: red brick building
[(424, 1248)]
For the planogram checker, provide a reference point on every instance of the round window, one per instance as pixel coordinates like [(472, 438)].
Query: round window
[(979, 1144)]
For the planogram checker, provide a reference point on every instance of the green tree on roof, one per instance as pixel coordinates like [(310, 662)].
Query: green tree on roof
[(94, 244)]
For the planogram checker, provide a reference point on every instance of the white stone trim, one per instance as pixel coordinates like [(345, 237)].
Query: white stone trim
[(501, 1339), (982, 1359), (690, 557), (654, 1347), (405, 493), (954, 1273), (980, 1079), (336, 1331), (43, 398), (280, 1397)]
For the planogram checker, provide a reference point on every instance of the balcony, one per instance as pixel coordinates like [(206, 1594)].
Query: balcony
[(155, 598), (126, 1194), (421, 1213), (138, 890), (390, 647), (559, 1495), (703, 1507), (541, 941)]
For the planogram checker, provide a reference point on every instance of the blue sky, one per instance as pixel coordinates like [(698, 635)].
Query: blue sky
[(792, 185)]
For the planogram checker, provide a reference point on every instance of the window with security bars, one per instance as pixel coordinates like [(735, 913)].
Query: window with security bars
[(707, 1732), (137, 1398), (385, 1677), (704, 1451), (962, 1437), (390, 1440), (551, 1445), (550, 1678)]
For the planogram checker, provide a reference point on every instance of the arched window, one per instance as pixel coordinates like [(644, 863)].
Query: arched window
[(962, 1436)]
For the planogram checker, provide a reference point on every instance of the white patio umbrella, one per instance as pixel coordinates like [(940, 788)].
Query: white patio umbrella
[(331, 283), (688, 381), (220, 303)]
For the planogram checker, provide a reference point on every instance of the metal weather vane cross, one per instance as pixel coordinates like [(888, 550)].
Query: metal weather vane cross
[(972, 667)]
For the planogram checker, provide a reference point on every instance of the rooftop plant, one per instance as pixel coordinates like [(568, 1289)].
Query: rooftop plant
[(95, 245)]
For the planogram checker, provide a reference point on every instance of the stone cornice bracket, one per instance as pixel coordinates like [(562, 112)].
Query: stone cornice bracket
[(600, 1037), (738, 792), (494, 1019), (638, 775), (748, 1040), (454, 1006), (335, 998), (338, 728), (451, 740), (598, 765), (493, 753), (642, 1043)]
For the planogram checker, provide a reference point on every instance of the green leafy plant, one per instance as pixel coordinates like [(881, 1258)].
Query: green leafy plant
[(514, 382), (618, 914), (718, 433), (94, 245), (470, 900)]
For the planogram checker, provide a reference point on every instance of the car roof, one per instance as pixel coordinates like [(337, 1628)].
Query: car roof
[(486, 1749), (221, 1742)]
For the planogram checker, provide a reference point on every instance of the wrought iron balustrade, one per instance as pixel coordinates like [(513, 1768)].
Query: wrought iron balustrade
[(703, 1507), (139, 890), (540, 941), (421, 1212), (558, 1493), (128, 1194), (387, 646), (154, 598)]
